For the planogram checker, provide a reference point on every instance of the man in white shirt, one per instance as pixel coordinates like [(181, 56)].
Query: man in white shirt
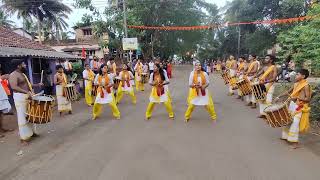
[(151, 64), (68, 67)]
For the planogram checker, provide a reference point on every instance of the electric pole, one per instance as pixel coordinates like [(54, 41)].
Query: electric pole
[(239, 40), (125, 18)]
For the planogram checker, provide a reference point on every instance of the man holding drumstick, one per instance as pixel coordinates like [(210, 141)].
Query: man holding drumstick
[(267, 77), (22, 90)]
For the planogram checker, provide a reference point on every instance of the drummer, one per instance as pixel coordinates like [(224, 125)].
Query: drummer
[(232, 70), (22, 90), (241, 68), (250, 73), (126, 85), (104, 94), (88, 76), (138, 68), (60, 80), (299, 106), (267, 77)]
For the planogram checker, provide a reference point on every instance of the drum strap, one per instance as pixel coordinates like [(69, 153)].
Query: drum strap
[(267, 72), (28, 82), (298, 87)]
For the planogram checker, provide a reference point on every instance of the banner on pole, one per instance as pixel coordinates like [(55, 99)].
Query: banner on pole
[(130, 44)]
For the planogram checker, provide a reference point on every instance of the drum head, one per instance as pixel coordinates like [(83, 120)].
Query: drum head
[(42, 98), (69, 85), (274, 107)]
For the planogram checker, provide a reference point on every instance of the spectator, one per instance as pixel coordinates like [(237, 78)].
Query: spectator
[(94, 65), (47, 82), (68, 67), (151, 64)]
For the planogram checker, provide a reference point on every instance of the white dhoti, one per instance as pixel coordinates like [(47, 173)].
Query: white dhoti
[(268, 101), (250, 98), (25, 129), (63, 104), (232, 74), (291, 133)]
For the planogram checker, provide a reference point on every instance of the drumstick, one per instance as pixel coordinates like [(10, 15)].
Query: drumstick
[(41, 79), (39, 94)]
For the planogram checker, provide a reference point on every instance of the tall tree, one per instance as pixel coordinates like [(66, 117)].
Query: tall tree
[(4, 19), (40, 9)]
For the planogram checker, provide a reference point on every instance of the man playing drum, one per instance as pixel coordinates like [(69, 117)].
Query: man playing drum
[(250, 73), (241, 69), (299, 108), (267, 77), (88, 76), (60, 80), (22, 90), (232, 70)]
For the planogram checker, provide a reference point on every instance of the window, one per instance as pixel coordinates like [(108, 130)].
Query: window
[(38, 65), (87, 32), (91, 53)]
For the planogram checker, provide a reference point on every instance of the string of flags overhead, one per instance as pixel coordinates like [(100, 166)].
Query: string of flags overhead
[(214, 26)]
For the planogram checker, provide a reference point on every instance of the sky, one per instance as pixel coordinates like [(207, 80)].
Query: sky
[(77, 13)]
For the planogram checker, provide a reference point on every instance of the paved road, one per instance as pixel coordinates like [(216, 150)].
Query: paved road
[(237, 147)]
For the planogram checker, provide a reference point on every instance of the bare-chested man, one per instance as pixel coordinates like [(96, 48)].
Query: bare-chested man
[(250, 73), (22, 90), (267, 76)]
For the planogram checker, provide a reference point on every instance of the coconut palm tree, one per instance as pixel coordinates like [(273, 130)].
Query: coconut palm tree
[(4, 19), (59, 24), (39, 9)]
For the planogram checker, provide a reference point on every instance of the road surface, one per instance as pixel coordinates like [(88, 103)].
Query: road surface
[(237, 147)]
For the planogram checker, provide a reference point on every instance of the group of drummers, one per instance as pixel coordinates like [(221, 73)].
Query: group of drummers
[(255, 83), (252, 81)]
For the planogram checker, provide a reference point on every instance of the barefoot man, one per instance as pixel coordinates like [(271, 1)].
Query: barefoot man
[(22, 90)]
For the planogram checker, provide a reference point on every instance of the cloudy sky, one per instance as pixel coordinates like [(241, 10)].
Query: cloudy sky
[(77, 13)]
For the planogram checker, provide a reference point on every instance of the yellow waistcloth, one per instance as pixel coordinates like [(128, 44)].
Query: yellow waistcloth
[(302, 107)]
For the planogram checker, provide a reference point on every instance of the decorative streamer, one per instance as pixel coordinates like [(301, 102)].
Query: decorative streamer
[(213, 26)]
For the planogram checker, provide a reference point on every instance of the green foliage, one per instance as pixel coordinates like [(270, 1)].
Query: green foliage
[(4, 19), (302, 41), (77, 68), (315, 104), (86, 20)]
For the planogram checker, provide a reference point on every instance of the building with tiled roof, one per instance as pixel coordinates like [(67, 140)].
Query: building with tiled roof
[(38, 57)]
